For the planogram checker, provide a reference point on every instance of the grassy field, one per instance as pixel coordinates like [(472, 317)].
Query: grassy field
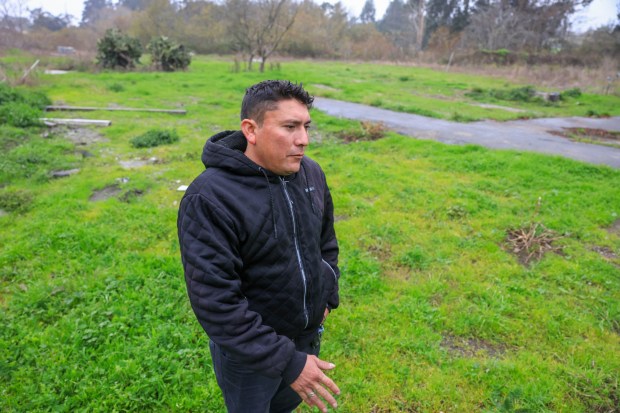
[(437, 312)]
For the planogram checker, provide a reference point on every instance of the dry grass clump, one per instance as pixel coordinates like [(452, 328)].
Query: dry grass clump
[(532, 242)]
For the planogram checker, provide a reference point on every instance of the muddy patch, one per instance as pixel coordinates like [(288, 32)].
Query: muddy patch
[(615, 228), (590, 135), (131, 195), (470, 347), (105, 193)]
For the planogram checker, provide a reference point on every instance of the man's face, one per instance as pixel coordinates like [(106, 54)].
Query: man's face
[(279, 143)]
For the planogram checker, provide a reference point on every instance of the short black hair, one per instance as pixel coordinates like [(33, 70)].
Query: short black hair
[(264, 96)]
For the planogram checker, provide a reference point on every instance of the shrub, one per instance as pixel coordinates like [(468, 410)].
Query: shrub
[(21, 115), (155, 137), (168, 56), (116, 49), (36, 99), (571, 93), (15, 200)]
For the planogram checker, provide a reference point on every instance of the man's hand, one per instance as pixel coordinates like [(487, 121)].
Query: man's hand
[(313, 386)]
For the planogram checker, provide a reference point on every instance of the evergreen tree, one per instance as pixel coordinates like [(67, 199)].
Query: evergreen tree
[(92, 9), (368, 12)]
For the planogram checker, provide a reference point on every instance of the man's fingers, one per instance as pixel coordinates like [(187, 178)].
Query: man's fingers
[(324, 365), (327, 396), (313, 398), (329, 383)]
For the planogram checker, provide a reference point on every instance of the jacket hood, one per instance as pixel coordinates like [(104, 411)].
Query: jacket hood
[(226, 150)]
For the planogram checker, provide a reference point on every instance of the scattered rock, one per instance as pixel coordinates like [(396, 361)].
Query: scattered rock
[(182, 188), (64, 174), (105, 193)]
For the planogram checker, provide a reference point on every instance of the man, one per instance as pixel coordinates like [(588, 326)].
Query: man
[(260, 255)]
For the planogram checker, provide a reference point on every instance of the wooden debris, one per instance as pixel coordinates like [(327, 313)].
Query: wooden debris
[(90, 109), (75, 122), (27, 72), (532, 242)]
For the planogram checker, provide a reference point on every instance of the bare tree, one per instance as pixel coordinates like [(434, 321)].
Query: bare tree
[(258, 26), (522, 24)]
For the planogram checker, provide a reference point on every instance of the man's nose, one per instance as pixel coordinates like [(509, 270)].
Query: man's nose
[(302, 138)]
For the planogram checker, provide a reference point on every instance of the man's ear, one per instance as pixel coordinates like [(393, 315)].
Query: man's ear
[(248, 127)]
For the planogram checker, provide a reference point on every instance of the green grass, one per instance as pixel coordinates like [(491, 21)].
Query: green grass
[(436, 314)]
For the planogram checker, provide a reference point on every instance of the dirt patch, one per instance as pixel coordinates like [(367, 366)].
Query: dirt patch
[(131, 195), (470, 347), (139, 162), (81, 136), (615, 228), (605, 252), (105, 193), (325, 87), (590, 135), (531, 243)]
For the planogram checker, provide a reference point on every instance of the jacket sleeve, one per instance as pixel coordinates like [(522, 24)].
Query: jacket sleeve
[(211, 262), (329, 246)]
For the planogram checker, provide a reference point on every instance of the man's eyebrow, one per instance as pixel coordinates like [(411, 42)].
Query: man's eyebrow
[(296, 121)]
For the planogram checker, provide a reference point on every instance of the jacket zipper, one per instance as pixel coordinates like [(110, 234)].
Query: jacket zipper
[(297, 250)]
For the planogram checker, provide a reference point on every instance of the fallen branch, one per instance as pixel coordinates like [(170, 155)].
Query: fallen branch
[(75, 122), (91, 109)]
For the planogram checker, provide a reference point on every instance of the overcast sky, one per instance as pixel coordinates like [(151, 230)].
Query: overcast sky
[(598, 13)]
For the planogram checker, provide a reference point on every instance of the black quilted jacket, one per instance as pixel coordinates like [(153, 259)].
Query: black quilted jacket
[(260, 256)]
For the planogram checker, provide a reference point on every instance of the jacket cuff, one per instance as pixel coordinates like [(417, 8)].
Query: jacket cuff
[(294, 367)]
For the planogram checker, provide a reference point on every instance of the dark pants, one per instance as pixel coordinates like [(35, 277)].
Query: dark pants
[(246, 391)]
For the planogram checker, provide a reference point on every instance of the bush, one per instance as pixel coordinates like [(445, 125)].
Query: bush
[(155, 137), (15, 200), (31, 98), (21, 115), (115, 49), (168, 56), (571, 93)]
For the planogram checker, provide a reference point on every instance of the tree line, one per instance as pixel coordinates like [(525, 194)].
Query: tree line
[(257, 29)]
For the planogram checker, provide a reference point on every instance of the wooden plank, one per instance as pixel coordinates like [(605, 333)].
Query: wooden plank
[(75, 122), (90, 109)]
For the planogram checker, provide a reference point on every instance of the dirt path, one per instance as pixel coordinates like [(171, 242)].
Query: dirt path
[(526, 135)]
